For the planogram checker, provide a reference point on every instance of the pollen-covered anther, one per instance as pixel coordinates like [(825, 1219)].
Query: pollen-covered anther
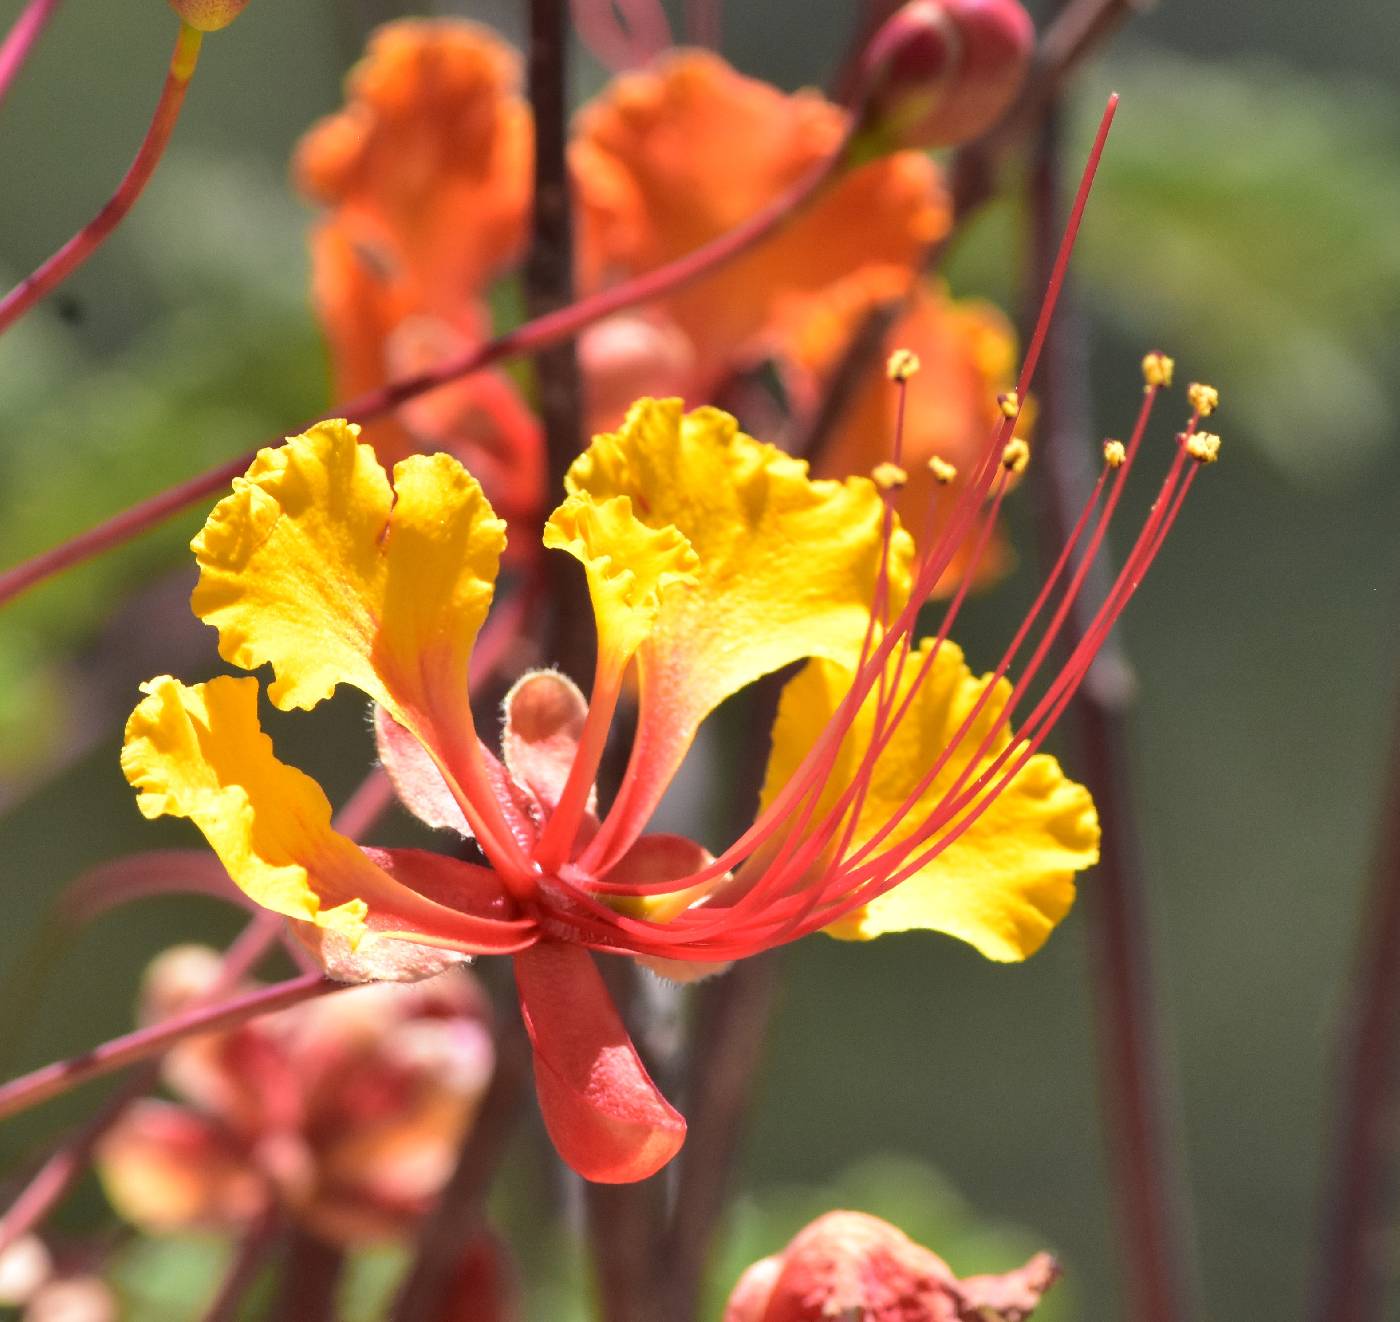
[(889, 476), (1157, 369), (902, 364), (1204, 399), (1016, 455), (1009, 402), (1114, 453), (943, 472), (1203, 446)]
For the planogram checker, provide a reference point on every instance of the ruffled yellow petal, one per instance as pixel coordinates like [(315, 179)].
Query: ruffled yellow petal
[(630, 566), (785, 568), (198, 752), (1009, 878), (318, 566)]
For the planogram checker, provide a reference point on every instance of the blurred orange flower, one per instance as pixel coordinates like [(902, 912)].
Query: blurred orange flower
[(425, 181), (346, 1113), (672, 157), (966, 355)]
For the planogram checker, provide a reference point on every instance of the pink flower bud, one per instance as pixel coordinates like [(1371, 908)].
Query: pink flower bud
[(940, 72), (208, 15), (848, 1264)]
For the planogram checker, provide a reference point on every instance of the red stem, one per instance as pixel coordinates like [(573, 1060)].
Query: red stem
[(529, 338), (56, 1176), (62, 1076), (1353, 1267), (20, 39), (91, 237)]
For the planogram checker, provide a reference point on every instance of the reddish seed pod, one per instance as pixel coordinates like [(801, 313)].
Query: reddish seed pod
[(208, 15), (940, 72)]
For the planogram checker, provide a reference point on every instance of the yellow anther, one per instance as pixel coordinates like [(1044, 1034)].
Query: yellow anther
[(943, 472), (1204, 399), (1010, 404), (902, 364), (1157, 369), (1016, 455), (1203, 446), (1114, 453), (888, 476)]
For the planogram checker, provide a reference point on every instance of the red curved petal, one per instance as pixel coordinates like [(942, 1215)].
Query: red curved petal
[(605, 1115)]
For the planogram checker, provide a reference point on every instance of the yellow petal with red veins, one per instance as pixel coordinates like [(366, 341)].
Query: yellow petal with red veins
[(318, 566), (786, 568), (198, 752), (631, 567), (1008, 879)]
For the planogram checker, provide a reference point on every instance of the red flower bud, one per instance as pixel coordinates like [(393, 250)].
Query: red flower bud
[(848, 1264), (208, 15), (940, 72)]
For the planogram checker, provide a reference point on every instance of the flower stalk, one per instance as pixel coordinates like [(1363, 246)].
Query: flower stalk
[(87, 240), (1350, 1286), (20, 40), (52, 1080)]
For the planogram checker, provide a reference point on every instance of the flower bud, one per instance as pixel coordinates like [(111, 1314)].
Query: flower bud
[(848, 1264), (940, 72), (208, 15)]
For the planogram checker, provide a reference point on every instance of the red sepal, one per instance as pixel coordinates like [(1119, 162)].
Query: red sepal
[(605, 1115)]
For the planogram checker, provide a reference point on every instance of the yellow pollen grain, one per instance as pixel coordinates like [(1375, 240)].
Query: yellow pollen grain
[(1009, 403), (1157, 369), (943, 472), (888, 476), (902, 364), (1204, 399), (1016, 455), (1203, 446), (1114, 453)]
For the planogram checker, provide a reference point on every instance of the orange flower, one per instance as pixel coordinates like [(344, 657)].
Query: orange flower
[(669, 158), (425, 177), (965, 353)]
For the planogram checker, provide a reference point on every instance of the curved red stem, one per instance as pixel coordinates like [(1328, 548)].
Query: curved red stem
[(20, 39), (91, 237)]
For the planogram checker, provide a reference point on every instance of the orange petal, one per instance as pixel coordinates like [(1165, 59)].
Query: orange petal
[(967, 353), (672, 157), (426, 179), (607, 1118)]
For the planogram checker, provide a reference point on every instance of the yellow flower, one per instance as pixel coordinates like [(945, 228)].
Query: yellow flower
[(896, 797)]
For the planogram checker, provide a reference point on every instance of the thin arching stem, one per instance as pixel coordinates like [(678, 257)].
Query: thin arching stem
[(91, 237), (53, 1080), (21, 38)]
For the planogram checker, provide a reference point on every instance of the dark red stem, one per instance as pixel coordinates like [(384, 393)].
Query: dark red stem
[(1354, 1261), (450, 1227), (310, 1279)]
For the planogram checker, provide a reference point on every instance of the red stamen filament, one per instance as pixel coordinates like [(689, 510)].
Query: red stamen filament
[(816, 765)]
